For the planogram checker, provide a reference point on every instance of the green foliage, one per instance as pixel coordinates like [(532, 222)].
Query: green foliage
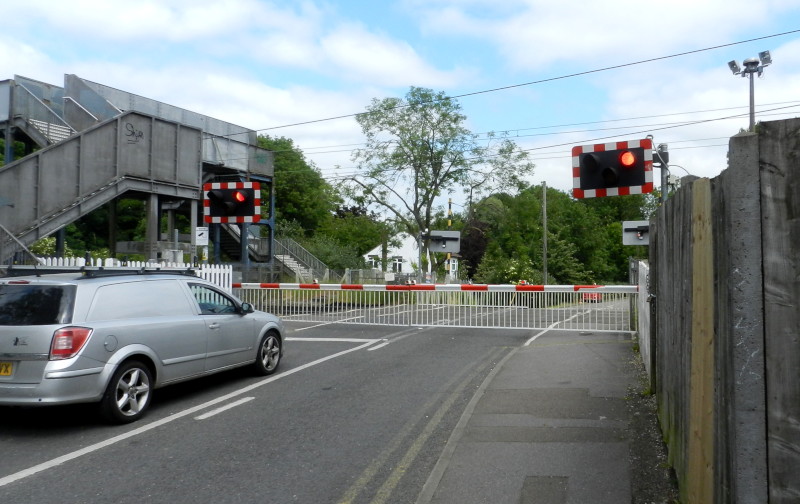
[(331, 244), (289, 229), (46, 247), (19, 151), (334, 254), (301, 194), (131, 222), (89, 232), (503, 238), (356, 227), (497, 268)]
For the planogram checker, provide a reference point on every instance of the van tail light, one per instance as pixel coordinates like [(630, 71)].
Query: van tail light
[(68, 341)]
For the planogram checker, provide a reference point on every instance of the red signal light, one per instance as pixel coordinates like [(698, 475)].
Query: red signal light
[(627, 159), (232, 202)]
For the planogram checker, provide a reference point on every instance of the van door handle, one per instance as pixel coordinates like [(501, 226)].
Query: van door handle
[(215, 325)]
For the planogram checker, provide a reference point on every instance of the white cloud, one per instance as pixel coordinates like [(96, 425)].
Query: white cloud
[(19, 58), (144, 20), (535, 34), (363, 56)]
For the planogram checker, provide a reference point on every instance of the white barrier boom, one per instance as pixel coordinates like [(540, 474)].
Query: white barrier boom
[(572, 307)]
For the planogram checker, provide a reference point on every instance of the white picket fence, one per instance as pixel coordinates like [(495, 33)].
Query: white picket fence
[(219, 274)]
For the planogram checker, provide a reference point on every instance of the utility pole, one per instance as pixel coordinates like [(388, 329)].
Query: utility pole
[(449, 226), (544, 231)]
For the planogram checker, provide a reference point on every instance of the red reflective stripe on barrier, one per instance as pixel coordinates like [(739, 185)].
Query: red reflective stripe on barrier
[(410, 287), (468, 287), (441, 287)]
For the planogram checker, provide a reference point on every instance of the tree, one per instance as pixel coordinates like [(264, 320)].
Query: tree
[(18, 151), (504, 238), (418, 149), (358, 227), (301, 194)]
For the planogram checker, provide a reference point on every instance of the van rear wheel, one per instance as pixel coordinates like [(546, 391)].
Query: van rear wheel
[(128, 394)]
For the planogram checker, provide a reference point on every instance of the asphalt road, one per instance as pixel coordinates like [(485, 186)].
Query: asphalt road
[(356, 414)]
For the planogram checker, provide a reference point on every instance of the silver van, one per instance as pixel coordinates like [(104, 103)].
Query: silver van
[(113, 337)]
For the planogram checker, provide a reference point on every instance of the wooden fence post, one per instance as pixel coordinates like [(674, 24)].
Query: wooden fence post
[(700, 463)]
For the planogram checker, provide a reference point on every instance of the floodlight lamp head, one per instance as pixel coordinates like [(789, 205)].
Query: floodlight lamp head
[(751, 64), (765, 58), (734, 67)]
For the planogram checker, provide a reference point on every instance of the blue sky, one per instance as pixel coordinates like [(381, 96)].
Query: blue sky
[(264, 65)]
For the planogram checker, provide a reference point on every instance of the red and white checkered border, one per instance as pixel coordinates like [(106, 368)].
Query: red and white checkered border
[(231, 219), (443, 287), (647, 187)]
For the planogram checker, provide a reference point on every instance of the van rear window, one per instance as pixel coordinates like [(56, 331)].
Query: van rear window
[(30, 304)]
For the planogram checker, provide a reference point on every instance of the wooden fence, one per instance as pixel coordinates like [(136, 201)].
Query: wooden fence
[(724, 349)]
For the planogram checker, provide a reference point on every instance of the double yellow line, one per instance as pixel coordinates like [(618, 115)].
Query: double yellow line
[(445, 401)]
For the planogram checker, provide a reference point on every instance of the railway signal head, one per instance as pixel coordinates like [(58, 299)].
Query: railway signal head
[(232, 202), (612, 169)]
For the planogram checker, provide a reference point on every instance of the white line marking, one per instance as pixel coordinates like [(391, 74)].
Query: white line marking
[(527, 343), (385, 342), (325, 324), (224, 408), (11, 478), (395, 337), (335, 340)]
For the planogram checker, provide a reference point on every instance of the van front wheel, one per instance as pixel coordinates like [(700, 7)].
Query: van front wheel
[(269, 354)]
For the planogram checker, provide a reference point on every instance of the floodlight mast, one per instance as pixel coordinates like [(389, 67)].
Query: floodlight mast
[(751, 66)]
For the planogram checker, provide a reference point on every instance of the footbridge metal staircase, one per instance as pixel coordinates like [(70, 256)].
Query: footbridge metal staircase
[(87, 144)]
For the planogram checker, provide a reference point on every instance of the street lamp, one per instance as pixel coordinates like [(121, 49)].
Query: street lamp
[(751, 66)]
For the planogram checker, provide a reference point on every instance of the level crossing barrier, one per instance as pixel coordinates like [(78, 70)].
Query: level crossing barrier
[(567, 307)]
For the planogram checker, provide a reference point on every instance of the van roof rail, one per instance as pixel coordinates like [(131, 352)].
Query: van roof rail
[(95, 271)]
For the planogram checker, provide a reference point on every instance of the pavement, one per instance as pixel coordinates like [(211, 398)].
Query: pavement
[(547, 426)]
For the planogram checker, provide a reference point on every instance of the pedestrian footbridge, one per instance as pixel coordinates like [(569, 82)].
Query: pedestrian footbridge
[(87, 144)]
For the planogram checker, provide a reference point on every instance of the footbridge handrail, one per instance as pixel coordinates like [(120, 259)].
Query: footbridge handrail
[(40, 116)]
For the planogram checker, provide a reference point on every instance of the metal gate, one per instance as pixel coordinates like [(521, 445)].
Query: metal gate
[(567, 307)]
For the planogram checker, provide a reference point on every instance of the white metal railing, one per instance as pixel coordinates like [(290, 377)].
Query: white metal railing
[(307, 260), (571, 307)]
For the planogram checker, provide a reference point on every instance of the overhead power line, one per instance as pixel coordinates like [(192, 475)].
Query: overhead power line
[(551, 79), (651, 127), (514, 132)]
